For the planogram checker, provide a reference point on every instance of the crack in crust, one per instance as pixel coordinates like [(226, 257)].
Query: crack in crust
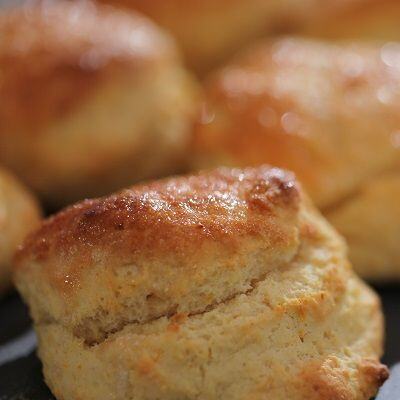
[(173, 315), (329, 379)]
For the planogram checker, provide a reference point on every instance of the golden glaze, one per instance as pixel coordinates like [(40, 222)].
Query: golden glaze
[(174, 216), (62, 50), (294, 103)]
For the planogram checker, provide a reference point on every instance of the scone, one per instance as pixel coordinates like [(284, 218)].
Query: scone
[(362, 19), (330, 113), (223, 285), (19, 214), (91, 99)]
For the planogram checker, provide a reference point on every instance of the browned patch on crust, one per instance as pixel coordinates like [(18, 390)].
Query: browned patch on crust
[(317, 305), (176, 320), (327, 381), (320, 303), (173, 216), (310, 231), (335, 283), (146, 366), (373, 374), (330, 380)]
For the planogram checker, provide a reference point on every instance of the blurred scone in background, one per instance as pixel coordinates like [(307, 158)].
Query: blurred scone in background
[(91, 99), (328, 112), (19, 215)]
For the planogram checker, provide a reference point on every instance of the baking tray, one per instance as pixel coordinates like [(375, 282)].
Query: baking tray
[(20, 369)]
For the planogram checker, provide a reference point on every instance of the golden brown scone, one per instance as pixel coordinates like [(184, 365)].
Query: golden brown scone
[(328, 112), (363, 19), (19, 214), (226, 284), (91, 99)]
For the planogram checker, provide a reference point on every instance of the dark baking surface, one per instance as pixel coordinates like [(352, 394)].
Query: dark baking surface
[(20, 369)]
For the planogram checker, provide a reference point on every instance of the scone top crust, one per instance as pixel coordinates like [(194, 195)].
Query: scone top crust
[(225, 202), (294, 102), (175, 245), (68, 48)]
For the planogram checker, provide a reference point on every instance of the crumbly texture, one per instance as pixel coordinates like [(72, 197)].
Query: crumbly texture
[(223, 284), (328, 112), (92, 99), (19, 215)]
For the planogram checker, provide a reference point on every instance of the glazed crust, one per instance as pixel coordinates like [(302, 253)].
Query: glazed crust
[(86, 92), (224, 283), (19, 214)]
